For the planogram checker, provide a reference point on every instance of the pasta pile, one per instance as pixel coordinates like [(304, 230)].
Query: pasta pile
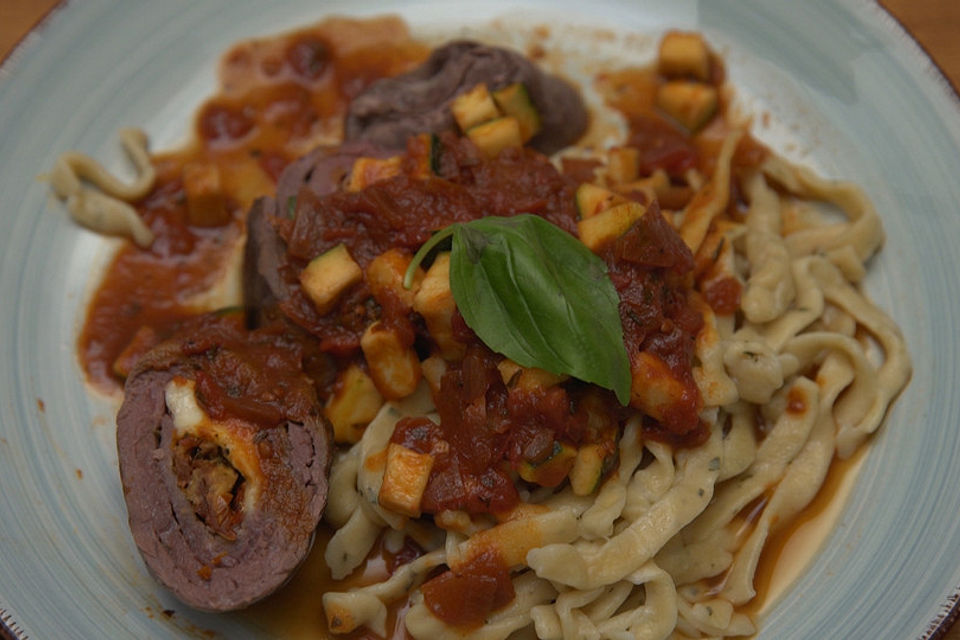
[(809, 361)]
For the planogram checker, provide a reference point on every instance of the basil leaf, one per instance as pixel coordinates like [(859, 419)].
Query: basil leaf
[(536, 294)]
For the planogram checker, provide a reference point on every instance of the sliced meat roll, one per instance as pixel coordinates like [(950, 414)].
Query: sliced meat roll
[(224, 460), (391, 110), (320, 172)]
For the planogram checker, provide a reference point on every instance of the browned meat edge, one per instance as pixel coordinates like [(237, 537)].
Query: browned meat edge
[(177, 547)]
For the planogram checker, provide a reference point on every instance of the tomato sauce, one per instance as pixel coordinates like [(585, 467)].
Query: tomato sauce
[(464, 597), (723, 295), (278, 99), (152, 288), (661, 142), (650, 267), (255, 376), (489, 428), (403, 212)]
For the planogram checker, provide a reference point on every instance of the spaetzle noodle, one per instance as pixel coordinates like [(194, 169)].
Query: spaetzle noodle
[(105, 206)]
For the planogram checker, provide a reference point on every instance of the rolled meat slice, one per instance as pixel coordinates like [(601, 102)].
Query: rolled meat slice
[(265, 258), (224, 459), (391, 110)]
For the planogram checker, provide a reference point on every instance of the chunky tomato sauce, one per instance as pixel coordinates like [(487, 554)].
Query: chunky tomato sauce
[(152, 289), (278, 95), (463, 597), (662, 143), (488, 428), (403, 212), (279, 98), (257, 377), (650, 267)]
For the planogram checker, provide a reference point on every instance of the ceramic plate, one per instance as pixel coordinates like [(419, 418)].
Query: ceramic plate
[(851, 93)]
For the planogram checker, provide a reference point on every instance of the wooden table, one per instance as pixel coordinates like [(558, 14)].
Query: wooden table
[(934, 23)]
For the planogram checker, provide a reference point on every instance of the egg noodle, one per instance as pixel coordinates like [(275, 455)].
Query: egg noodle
[(804, 371)]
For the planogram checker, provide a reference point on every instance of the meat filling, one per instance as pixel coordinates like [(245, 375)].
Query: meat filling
[(210, 483)]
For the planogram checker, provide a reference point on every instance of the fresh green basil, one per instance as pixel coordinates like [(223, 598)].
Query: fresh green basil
[(537, 295)]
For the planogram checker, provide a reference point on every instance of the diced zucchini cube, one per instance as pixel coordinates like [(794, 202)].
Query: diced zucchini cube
[(328, 275), (514, 100), (455, 520), (202, 188), (552, 471), (691, 104), (684, 55), (610, 224), (385, 277), (655, 186), (509, 371), (423, 154), (623, 164), (367, 171), (496, 135), (474, 107), (433, 369), (394, 366), (587, 470), (654, 389), (404, 480), (353, 404), (527, 378), (656, 183), (434, 301), (592, 199)]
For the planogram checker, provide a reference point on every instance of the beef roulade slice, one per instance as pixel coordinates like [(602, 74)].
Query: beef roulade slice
[(224, 459), (391, 110), (319, 172)]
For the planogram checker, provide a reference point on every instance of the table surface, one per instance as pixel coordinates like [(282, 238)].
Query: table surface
[(934, 23)]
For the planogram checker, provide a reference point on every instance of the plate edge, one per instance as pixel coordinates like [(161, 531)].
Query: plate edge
[(896, 28), (949, 607), (9, 629), (6, 60)]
